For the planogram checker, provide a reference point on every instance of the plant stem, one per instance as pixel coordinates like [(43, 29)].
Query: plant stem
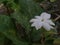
[(43, 36), (42, 40)]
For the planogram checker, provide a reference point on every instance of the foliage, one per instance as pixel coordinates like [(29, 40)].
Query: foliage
[(15, 28)]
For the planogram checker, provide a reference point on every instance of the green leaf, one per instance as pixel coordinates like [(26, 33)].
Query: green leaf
[(11, 34), (5, 23)]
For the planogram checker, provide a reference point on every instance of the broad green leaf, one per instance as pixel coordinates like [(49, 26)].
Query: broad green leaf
[(5, 23), (11, 34)]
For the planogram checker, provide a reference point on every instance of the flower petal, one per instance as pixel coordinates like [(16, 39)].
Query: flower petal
[(33, 20), (33, 24), (45, 15), (37, 25), (47, 26), (37, 17), (50, 22)]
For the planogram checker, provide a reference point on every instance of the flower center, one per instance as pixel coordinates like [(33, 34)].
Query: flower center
[(42, 20)]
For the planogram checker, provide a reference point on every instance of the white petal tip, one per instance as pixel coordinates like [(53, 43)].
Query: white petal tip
[(36, 28)]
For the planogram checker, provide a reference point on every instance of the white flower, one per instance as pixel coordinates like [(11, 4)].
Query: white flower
[(42, 21)]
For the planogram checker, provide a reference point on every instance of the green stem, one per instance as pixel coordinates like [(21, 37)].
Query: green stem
[(43, 36), (42, 39)]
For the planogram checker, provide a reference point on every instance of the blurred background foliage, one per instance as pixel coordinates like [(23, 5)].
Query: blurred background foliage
[(15, 28)]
